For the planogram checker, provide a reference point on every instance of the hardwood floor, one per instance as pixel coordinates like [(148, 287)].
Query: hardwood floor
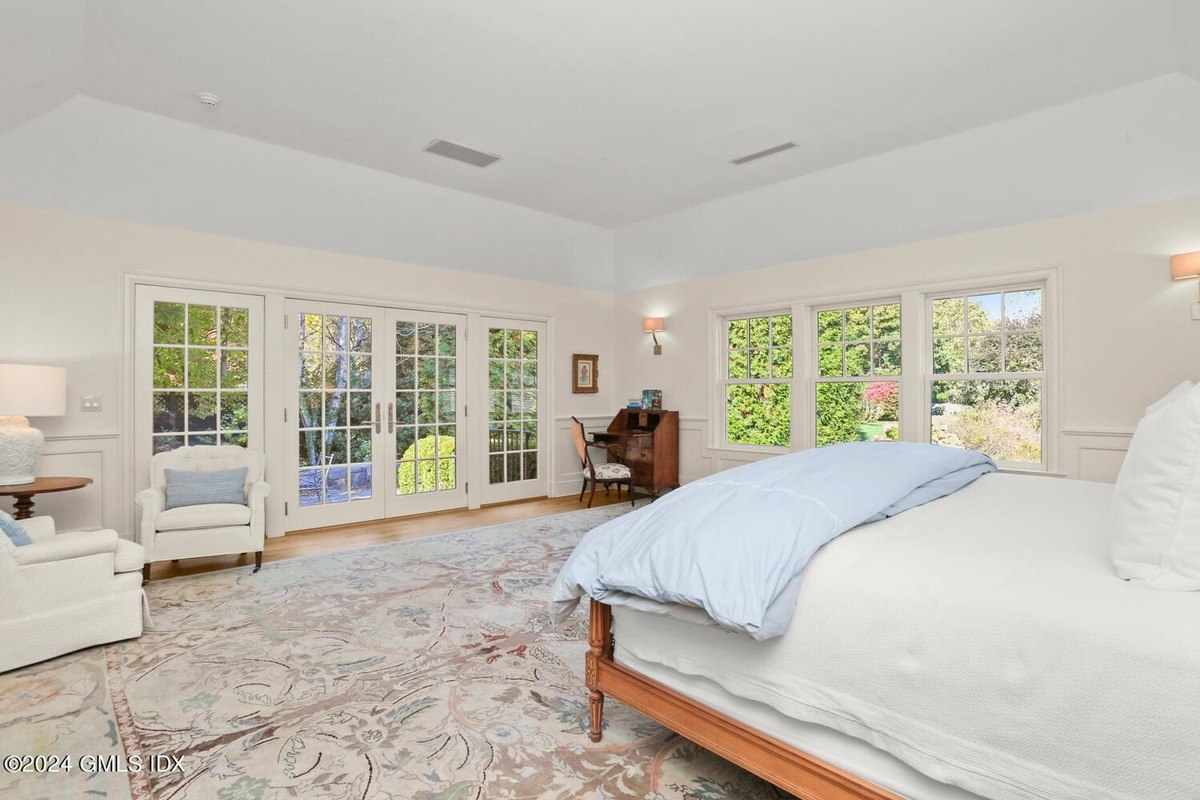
[(344, 537)]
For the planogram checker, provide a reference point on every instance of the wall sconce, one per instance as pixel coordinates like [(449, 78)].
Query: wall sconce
[(1187, 266), (654, 326)]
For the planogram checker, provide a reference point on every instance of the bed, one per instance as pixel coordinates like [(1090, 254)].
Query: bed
[(977, 646)]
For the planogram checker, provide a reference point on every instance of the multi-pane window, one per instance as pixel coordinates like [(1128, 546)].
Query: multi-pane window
[(758, 380), (426, 407), (200, 375), (513, 409), (988, 377), (857, 392), (335, 408)]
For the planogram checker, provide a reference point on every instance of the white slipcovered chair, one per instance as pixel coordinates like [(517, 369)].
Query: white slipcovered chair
[(67, 591), (214, 529)]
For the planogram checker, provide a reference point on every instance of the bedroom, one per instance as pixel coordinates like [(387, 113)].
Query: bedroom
[(966, 235)]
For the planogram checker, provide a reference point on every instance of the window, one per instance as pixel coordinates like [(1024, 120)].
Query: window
[(988, 359), (857, 391), (758, 380), (200, 375)]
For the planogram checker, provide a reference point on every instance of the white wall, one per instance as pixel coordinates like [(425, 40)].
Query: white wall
[(62, 277), (1127, 333)]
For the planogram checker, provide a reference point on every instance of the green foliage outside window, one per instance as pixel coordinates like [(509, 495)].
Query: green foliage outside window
[(759, 352)]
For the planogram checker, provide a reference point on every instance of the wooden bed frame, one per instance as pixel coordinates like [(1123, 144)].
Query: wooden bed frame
[(781, 764)]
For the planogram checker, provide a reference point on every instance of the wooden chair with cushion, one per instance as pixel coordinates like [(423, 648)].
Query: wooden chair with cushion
[(606, 474)]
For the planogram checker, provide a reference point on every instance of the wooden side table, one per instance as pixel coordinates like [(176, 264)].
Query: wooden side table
[(23, 493)]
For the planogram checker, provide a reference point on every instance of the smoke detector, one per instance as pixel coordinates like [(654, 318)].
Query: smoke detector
[(209, 100)]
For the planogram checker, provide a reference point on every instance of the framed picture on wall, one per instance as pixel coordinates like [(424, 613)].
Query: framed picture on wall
[(585, 373)]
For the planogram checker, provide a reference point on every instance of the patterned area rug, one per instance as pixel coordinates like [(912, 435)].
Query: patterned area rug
[(420, 670)]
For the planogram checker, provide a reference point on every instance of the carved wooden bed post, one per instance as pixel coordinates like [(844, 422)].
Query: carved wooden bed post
[(600, 646)]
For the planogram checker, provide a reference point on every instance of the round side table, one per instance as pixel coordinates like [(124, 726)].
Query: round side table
[(23, 493)]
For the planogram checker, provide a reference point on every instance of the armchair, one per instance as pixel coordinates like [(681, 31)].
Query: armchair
[(67, 591), (214, 529)]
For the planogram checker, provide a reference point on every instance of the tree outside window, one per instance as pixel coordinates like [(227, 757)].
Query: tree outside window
[(758, 380)]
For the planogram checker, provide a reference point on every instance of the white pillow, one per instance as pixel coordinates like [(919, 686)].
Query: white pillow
[(1156, 503), (1170, 397)]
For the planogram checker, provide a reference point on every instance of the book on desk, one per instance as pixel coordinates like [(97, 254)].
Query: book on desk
[(648, 443)]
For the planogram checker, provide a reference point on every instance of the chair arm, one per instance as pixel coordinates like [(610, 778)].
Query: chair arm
[(39, 528), (257, 493), (66, 546), (151, 501), (255, 499)]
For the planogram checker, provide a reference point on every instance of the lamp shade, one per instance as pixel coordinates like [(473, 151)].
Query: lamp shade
[(1184, 266), (31, 391), (652, 325)]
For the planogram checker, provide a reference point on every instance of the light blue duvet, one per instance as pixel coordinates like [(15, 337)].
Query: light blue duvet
[(735, 543)]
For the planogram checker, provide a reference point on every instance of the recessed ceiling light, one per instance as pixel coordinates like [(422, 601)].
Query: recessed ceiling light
[(458, 152), (770, 151), (208, 99)]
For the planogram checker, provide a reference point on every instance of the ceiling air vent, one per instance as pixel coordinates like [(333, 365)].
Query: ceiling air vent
[(770, 151), (459, 153)]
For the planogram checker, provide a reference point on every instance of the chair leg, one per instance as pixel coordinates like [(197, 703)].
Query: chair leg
[(629, 490), (582, 489), (145, 573), (258, 560), (592, 496)]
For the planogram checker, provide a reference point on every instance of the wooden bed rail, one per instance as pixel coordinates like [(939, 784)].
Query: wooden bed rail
[(790, 769)]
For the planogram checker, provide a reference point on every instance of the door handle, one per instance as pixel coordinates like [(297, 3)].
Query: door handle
[(391, 418), (378, 421)]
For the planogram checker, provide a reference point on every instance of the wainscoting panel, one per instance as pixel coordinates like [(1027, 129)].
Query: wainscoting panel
[(1095, 454), (94, 456)]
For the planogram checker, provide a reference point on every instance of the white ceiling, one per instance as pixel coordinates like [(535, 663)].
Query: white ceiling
[(609, 113)]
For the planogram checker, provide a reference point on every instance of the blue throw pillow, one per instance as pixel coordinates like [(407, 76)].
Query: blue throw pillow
[(14, 530), (187, 488)]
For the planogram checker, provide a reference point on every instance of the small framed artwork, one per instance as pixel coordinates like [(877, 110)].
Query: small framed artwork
[(585, 373)]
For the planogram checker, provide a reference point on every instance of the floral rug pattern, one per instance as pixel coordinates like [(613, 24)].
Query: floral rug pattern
[(419, 670)]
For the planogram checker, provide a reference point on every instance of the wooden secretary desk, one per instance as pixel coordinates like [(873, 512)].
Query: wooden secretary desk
[(648, 443)]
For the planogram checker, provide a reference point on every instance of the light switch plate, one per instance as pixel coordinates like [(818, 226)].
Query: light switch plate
[(91, 402)]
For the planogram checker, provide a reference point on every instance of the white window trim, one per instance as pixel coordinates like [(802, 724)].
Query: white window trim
[(916, 358)]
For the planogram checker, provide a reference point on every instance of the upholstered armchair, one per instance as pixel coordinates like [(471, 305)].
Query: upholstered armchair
[(66, 591), (213, 529)]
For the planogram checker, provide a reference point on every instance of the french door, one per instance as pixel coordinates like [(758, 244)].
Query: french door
[(517, 466), (374, 413), (197, 372)]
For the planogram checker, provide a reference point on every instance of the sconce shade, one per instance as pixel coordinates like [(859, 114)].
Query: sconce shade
[(1184, 266), (655, 324), (30, 391)]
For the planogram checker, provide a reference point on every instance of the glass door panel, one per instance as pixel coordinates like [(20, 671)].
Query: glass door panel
[(377, 409), (514, 444), (198, 371), (333, 414), (427, 413)]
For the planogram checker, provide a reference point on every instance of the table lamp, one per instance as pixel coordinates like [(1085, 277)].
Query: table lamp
[(26, 391)]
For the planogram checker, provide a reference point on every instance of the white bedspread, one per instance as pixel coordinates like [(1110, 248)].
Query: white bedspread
[(985, 640)]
